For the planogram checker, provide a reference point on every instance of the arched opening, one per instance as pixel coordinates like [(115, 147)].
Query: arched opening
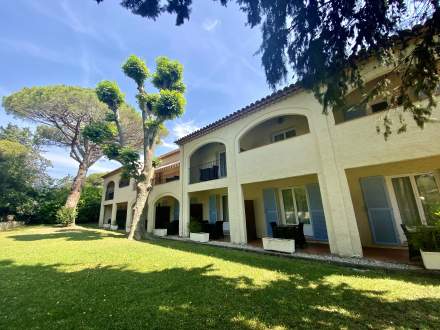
[(110, 191), (274, 130), (208, 163), (166, 215)]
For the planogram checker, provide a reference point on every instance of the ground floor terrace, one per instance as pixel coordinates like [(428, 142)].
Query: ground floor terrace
[(365, 215), (81, 277)]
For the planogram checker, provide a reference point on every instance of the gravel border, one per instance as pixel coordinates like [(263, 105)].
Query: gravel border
[(365, 263)]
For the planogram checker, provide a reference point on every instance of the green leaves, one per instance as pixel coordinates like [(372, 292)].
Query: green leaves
[(100, 132), (136, 69), (109, 93), (168, 75), (170, 105)]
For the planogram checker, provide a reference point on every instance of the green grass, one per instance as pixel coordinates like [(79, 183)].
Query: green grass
[(88, 278)]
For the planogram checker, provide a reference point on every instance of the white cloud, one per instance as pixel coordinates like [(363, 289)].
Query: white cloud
[(210, 24), (169, 145), (103, 166), (179, 130), (183, 128)]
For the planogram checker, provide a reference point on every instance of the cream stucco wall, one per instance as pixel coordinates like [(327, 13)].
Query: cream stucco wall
[(335, 156)]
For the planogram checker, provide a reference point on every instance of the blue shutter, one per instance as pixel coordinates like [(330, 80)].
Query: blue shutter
[(317, 212), (176, 210), (270, 208), (380, 212), (212, 208)]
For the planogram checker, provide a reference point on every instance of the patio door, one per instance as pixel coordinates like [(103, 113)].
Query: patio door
[(415, 198), (295, 208)]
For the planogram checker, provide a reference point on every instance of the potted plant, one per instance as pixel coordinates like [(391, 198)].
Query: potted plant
[(195, 232), (427, 239)]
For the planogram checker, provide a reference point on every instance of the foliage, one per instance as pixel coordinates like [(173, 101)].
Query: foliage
[(156, 108), (168, 75), (66, 215), (50, 198), (427, 238), (95, 279), (195, 226), (108, 92), (64, 111), (90, 203), (23, 171), (324, 44), (136, 69)]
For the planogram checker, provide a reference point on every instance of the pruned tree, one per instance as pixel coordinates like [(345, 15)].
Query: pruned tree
[(62, 112), (156, 108), (322, 45)]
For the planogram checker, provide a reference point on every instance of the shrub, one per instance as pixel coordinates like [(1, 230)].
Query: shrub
[(427, 238), (66, 215), (195, 226)]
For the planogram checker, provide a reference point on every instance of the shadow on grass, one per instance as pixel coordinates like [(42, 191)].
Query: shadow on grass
[(45, 296), (74, 234), (290, 265)]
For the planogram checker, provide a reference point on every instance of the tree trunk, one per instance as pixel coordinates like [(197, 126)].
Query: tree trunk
[(75, 191), (143, 189)]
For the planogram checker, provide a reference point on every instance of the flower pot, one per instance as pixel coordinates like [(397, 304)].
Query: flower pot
[(114, 227), (199, 237), (106, 226), (160, 232), (431, 260), (279, 244)]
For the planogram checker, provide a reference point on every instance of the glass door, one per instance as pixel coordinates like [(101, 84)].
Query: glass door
[(295, 208), (417, 198), (429, 196)]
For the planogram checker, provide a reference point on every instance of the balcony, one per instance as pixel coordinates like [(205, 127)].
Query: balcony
[(207, 171), (208, 163), (165, 179)]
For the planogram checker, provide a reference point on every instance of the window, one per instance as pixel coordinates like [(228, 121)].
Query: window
[(110, 191), (124, 182), (295, 206), (283, 135)]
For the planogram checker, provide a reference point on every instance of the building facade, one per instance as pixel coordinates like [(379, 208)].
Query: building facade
[(282, 160)]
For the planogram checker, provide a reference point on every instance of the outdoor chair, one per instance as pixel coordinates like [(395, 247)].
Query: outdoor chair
[(295, 232), (412, 251)]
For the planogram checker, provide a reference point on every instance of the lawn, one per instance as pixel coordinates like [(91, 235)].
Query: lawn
[(88, 278)]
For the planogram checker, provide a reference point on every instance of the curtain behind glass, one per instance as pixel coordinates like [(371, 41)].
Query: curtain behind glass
[(406, 201)]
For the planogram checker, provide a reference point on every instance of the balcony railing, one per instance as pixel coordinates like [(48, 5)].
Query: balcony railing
[(162, 180), (207, 171)]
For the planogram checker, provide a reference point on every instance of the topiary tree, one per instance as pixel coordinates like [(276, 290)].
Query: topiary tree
[(156, 108)]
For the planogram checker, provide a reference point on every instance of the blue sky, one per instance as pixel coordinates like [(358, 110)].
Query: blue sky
[(77, 42)]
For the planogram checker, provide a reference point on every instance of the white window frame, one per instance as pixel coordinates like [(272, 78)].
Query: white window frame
[(284, 134), (280, 196), (393, 198)]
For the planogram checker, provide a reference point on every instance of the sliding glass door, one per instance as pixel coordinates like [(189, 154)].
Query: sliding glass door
[(417, 197)]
